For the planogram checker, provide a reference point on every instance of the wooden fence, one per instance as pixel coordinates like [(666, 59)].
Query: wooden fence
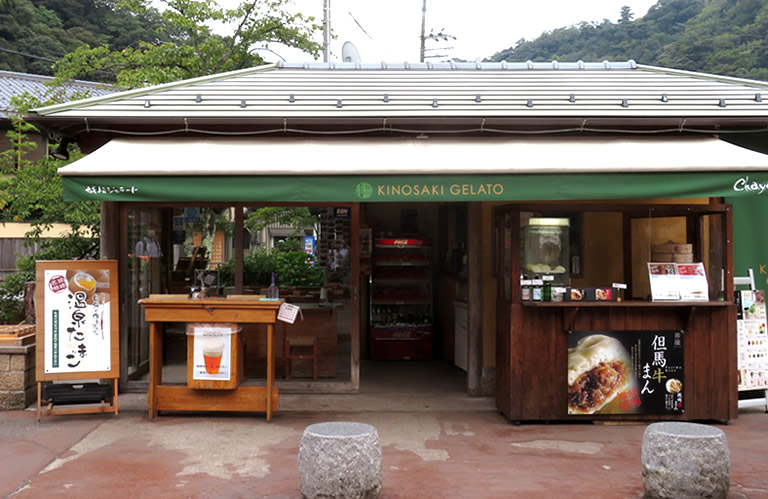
[(10, 248)]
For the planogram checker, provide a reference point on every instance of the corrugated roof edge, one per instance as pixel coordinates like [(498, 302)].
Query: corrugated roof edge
[(403, 66), (494, 66), (488, 66), (42, 111), (708, 76)]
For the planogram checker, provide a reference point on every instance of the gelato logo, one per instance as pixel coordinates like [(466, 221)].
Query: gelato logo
[(745, 185), (364, 190)]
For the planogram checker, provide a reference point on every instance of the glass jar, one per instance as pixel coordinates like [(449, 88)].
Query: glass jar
[(546, 248)]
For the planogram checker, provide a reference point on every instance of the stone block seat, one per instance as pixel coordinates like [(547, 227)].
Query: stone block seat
[(685, 460), (341, 460)]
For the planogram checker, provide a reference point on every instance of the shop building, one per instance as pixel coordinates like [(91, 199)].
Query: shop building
[(426, 185)]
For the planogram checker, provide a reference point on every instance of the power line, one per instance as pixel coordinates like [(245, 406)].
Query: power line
[(24, 54), (48, 59)]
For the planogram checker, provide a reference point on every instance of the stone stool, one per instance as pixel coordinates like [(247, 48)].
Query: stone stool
[(340, 459), (685, 460)]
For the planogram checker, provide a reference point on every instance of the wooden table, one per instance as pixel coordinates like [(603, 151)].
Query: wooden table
[(159, 309)]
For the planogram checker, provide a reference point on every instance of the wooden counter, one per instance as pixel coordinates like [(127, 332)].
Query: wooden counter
[(539, 337), (242, 309)]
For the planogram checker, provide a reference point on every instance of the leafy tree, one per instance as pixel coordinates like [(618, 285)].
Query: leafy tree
[(626, 15), (187, 46), (31, 191), (36, 33), (298, 217)]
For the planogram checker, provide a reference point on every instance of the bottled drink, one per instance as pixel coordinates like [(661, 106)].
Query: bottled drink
[(525, 290), (272, 292), (536, 289), (546, 291)]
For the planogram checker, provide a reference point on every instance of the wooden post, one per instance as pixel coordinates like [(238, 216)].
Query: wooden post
[(475, 299)]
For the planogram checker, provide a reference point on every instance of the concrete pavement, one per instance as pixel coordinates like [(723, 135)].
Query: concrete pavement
[(430, 451)]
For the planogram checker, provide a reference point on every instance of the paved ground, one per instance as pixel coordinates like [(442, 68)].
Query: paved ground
[(429, 452)]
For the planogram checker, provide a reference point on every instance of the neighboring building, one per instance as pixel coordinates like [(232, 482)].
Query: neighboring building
[(445, 164), (13, 84)]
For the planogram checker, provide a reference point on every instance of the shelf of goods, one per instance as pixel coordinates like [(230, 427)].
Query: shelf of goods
[(401, 300)]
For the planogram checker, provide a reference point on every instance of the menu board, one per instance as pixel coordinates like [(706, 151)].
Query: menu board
[(625, 372), (77, 319), (752, 341), (678, 281)]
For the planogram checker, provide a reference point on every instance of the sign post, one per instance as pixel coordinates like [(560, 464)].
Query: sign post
[(77, 333)]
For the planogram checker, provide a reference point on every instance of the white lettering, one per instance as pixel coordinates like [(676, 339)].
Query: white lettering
[(744, 184)]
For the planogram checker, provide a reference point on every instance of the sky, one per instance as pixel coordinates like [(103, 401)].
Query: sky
[(481, 27)]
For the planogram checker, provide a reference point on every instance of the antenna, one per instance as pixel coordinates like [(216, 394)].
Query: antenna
[(349, 52)]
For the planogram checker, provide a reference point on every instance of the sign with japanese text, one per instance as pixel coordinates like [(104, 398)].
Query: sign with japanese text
[(752, 340), (625, 372), (678, 281), (77, 321), (664, 282)]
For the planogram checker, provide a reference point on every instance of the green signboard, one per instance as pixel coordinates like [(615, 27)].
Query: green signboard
[(418, 188), (750, 239)]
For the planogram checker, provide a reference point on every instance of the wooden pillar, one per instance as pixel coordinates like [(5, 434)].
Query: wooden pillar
[(475, 299), (239, 227), (110, 234)]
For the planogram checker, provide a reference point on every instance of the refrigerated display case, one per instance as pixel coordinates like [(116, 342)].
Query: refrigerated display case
[(401, 300)]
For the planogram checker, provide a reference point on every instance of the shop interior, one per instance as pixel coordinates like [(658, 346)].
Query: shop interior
[(417, 300), (410, 264)]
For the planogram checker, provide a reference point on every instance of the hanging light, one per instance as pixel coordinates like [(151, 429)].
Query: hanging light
[(61, 151)]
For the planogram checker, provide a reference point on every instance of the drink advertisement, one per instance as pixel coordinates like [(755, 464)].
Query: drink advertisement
[(212, 353), (625, 372), (752, 341), (77, 319)]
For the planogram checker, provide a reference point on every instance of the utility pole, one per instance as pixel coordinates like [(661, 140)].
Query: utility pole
[(423, 28), (327, 30)]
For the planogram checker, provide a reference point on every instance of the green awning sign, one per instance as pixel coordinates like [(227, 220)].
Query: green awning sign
[(416, 188)]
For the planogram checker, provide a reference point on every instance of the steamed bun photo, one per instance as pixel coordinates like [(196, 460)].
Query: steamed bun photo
[(598, 369)]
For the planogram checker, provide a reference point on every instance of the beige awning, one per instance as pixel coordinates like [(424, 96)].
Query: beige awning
[(443, 155)]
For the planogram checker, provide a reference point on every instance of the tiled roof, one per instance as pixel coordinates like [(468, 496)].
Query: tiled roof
[(12, 84), (424, 90)]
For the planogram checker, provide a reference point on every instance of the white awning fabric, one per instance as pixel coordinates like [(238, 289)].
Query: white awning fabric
[(433, 155)]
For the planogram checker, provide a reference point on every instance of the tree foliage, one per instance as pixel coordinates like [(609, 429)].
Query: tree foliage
[(36, 33), (725, 37), (186, 45), (31, 191)]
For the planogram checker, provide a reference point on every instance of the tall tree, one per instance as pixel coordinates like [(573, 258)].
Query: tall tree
[(187, 45), (626, 15)]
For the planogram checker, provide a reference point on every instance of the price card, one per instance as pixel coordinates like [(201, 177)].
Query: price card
[(288, 312)]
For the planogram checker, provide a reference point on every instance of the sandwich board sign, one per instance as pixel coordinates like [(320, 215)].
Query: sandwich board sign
[(77, 337)]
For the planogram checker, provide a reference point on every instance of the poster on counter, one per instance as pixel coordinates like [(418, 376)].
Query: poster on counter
[(625, 372), (665, 284), (693, 282), (752, 354), (752, 341), (212, 352), (77, 318)]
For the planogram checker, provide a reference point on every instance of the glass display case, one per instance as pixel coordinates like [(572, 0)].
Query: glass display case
[(546, 250)]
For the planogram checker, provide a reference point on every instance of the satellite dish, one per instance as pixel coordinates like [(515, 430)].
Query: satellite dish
[(349, 52)]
